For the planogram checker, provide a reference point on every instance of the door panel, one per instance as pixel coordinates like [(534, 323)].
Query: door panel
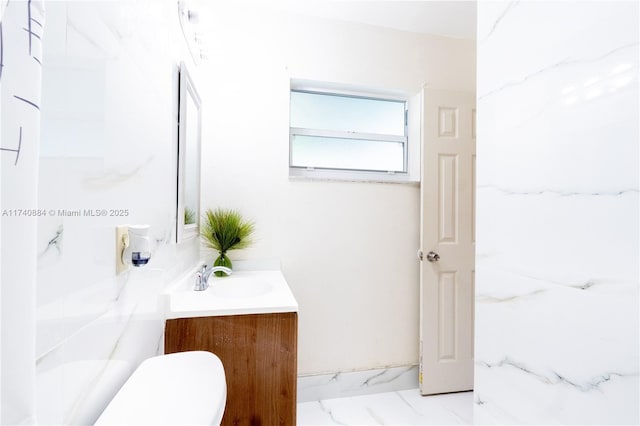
[(448, 198), (447, 228), (447, 316)]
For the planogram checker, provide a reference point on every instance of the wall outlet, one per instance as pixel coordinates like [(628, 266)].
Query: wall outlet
[(122, 236)]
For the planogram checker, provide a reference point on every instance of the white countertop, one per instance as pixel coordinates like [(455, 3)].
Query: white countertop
[(243, 292)]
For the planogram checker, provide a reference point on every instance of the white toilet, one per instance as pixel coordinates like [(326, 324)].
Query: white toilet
[(185, 388)]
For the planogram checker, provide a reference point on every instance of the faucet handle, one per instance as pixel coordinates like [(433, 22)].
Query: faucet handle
[(199, 286), (204, 268)]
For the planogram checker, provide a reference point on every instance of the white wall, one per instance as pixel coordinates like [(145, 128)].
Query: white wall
[(347, 249), (557, 280)]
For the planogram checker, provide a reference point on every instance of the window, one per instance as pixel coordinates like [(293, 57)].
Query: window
[(347, 132)]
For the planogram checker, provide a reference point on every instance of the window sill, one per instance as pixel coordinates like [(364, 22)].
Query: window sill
[(351, 176)]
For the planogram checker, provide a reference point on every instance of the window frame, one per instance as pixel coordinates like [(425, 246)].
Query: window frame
[(349, 173)]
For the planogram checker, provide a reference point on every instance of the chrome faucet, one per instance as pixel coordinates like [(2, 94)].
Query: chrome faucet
[(202, 277)]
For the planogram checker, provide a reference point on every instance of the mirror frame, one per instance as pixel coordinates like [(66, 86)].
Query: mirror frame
[(187, 89)]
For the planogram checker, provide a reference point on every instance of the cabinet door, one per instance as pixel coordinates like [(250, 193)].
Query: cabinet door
[(259, 355)]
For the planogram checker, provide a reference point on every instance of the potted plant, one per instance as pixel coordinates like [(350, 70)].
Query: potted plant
[(223, 230)]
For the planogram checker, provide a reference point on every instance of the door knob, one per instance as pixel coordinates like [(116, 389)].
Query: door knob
[(433, 256)]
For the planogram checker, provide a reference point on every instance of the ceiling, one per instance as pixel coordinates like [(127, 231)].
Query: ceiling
[(453, 18)]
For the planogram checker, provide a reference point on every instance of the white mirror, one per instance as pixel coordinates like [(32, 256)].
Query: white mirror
[(189, 123)]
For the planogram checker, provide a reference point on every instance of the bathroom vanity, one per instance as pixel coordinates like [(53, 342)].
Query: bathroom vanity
[(250, 321)]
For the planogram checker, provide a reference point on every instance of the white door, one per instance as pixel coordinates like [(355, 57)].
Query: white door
[(447, 241)]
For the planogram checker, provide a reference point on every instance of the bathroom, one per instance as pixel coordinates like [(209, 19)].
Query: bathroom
[(556, 288)]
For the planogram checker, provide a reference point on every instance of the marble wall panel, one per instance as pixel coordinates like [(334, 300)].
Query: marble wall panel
[(557, 283)]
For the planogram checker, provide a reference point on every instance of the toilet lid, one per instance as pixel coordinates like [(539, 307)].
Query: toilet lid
[(185, 388)]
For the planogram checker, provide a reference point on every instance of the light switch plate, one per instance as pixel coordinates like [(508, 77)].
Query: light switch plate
[(122, 232)]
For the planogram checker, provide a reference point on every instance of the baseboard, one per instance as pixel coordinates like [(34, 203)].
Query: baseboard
[(353, 383)]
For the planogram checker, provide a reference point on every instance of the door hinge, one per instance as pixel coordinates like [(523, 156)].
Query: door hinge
[(420, 364)]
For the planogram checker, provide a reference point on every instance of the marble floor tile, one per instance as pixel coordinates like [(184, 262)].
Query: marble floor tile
[(405, 407)]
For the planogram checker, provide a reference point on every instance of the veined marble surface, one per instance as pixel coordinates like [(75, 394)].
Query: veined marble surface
[(352, 383), (21, 30), (109, 135), (405, 407), (557, 278)]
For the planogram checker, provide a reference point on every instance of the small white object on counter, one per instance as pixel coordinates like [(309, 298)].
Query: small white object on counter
[(243, 292)]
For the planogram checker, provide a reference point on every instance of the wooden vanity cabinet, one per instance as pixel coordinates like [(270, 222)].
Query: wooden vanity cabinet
[(259, 355)]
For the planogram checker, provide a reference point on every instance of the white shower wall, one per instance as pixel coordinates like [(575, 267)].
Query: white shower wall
[(20, 79), (557, 211), (109, 135)]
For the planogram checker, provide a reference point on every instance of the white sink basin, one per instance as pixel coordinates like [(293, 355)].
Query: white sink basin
[(243, 292), (239, 287)]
